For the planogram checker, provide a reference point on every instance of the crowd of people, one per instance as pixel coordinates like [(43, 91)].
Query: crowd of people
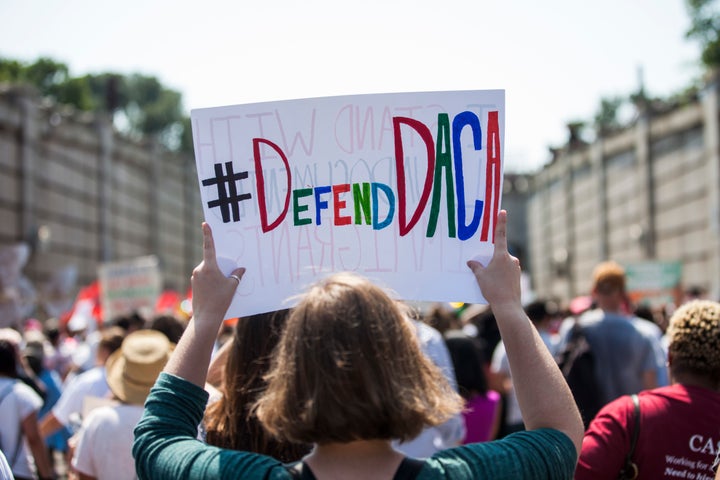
[(352, 383), (72, 396)]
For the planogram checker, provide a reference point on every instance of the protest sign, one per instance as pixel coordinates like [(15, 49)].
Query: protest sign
[(654, 283), (401, 188), (128, 286)]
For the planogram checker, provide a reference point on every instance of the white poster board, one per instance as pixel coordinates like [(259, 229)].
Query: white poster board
[(128, 286), (400, 188)]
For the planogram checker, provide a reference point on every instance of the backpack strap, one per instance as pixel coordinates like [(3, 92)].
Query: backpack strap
[(630, 468), (298, 471), (409, 469)]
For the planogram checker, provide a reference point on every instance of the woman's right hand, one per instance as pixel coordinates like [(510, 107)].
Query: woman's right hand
[(542, 393), (499, 281)]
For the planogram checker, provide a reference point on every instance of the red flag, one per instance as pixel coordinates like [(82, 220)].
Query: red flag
[(168, 302), (87, 307)]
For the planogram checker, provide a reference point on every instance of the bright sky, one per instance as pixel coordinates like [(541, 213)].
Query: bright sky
[(556, 59)]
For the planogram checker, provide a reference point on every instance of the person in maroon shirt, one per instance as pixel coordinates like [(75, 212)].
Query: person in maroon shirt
[(679, 432)]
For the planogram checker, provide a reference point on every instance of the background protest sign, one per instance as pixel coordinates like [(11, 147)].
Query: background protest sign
[(401, 188), (654, 283), (127, 286)]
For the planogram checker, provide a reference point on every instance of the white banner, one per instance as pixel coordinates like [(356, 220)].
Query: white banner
[(128, 286), (401, 188)]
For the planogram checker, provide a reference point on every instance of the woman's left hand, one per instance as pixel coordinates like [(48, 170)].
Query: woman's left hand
[(212, 291)]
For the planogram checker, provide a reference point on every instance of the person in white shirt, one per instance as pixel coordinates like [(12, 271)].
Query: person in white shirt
[(450, 433), (91, 383), (106, 437), (5, 472), (20, 439)]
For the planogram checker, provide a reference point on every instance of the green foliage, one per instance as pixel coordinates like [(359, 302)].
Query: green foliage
[(109, 91), (606, 119), (76, 92), (140, 104), (10, 70), (45, 74), (155, 108), (186, 140), (705, 27)]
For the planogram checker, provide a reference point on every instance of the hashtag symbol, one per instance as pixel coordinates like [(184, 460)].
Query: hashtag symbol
[(227, 191)]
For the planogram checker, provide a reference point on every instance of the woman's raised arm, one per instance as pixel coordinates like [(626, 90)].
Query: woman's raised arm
[(544, 396), (212, 294)]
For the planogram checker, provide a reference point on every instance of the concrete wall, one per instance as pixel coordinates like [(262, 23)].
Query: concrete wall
[(649, 192), (80, 193)]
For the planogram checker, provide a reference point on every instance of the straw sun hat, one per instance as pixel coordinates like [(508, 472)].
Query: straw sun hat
[(134, 367)]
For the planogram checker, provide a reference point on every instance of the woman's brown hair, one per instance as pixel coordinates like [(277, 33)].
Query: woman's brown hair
[(349, 367), (230, 422)]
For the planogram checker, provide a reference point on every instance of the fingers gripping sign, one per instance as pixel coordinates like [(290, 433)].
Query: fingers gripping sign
[(212, 290), (499, 281)]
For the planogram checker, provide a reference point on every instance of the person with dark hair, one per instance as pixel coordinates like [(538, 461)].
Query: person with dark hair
[(694, 292), (58, 356), (441, 318), (20, 438), (231, 422), (348, 377), (478, 321), (677, 426), (129, 322), (482, 405), (34, 354), (170, 325), (24, 372)]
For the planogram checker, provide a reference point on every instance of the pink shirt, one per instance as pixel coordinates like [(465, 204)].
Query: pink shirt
[(479, 415)]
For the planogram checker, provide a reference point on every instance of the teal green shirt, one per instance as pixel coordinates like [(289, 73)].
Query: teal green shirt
[(166, 448)]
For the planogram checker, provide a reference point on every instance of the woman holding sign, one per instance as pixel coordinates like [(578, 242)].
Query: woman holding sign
[(349, 377)]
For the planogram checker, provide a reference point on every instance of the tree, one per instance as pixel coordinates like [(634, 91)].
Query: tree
[(139, 104), (186, 140), (705, 27), (606, 119), (76, 92), (151, 108), (10, 70), (46, 74), (108, 89)]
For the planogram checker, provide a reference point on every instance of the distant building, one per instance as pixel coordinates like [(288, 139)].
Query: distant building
[(516, 192), (648, 192)]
